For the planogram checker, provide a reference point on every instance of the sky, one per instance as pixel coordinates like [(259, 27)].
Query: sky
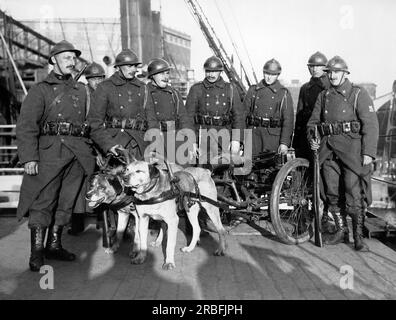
[(360, 31)]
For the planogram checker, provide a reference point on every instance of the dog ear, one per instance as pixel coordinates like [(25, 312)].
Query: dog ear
[(153, 171)]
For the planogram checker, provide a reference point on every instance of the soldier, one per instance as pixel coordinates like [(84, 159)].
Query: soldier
[(348, 127), (94, 74), (306, 102), (270, 112), (215, 104), (117, 115), (53, 147), (165, 107)]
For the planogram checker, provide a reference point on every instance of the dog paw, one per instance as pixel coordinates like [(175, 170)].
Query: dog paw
[(155, 243), (108, 250), (219, 252), (168, 266), (139, 259), (186, 249)]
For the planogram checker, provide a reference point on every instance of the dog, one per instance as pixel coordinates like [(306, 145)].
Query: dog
[(152, 189), (106, 188)]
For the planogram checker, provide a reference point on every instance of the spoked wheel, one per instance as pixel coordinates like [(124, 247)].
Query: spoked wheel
[(291, 202)]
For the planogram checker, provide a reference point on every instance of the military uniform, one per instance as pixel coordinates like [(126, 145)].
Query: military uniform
[(270, 115), (349, 131), (60, 145), (215, 106), (306, 101), (166, 111), (117, 114)]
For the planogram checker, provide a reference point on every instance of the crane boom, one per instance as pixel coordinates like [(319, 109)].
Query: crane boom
[(216, 45)]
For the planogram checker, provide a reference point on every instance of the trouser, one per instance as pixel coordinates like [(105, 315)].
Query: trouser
[(263, 141), (56, 200), (342, 187), (212, 144)]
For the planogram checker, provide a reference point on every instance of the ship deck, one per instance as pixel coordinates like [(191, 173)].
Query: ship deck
[(256, 267)]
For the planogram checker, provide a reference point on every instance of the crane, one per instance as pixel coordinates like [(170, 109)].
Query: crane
[(216, 46)]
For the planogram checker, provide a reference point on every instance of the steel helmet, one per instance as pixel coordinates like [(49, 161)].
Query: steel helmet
[(126, 57), (213, 64), (317, 59), (272, 67), (337, 64), (62, 46), (157, 66), (94, 70)]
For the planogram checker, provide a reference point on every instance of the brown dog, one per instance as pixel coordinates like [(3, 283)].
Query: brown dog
[(151, 184)]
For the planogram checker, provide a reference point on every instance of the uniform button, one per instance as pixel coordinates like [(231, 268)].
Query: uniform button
[(63, 140), (257, 98), (345, 99), (139, 94), (343, 91), (207, 94), (79, 112), (121, 107), (119, 94), (122, 130), (207, 103), (224, 103), (59, 115), (343, 110), (326, 111), (155, 102), (55, 88), (273, 97), (223, 94), (255, 107), (270, 108), (157, 112)]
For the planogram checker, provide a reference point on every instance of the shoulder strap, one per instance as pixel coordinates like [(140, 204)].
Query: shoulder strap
[(88, 101), (145, 97), (252, 104), (356, 98), (283, 99), (231, 90)]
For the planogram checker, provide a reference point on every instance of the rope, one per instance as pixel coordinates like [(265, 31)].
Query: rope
[(230, 36), (384, 181)]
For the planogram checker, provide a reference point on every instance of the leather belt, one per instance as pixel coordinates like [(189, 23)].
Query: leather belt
[(335, 128), (212, 120), (64, 128), (131, 124), (257, 121)]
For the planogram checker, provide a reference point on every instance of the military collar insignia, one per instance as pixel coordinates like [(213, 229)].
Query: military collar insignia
[(345, 88), (119, 81), (52, 78), (273, 87), (219, 83)]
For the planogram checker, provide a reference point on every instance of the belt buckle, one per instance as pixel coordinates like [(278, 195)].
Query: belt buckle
[(64, 128), (265, 122), (346, 127), (256, 121), (207, 119), (217, 120)]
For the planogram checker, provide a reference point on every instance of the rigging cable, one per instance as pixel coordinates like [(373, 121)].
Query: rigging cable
[(243, 40), (232, 41)]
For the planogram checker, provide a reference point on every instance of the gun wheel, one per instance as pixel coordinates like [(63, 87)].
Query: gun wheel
[(291, 202)]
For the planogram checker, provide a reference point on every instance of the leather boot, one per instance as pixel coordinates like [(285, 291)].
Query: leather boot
[(53, 249), (338, 236), (357, 228), (37, 235), (346, 228)]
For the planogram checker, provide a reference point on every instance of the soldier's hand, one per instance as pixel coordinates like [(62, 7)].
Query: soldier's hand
[(367, 160), (235, 147), (314, 145), (31, 168), (282, 149), (114, 149)]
